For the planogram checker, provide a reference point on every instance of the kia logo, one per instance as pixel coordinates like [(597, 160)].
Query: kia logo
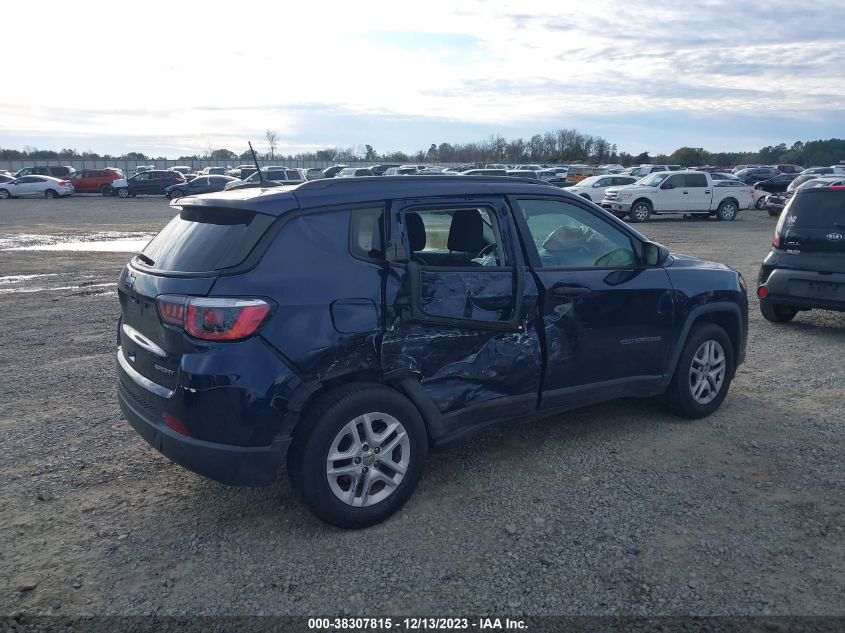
[(834, 237)]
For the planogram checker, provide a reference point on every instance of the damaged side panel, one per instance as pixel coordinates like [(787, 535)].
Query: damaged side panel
[(467, 334), (325, 324)]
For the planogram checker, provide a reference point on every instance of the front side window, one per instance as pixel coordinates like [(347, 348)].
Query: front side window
[(568, 236), (462, 237)]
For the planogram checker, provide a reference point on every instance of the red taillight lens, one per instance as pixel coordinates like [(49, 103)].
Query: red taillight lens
[(171, 309), (776, 240), (214, 319), (225, 319), (762, 292)]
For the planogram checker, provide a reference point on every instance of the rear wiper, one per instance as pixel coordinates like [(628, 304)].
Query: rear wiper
[(839, 224), (145, 259)]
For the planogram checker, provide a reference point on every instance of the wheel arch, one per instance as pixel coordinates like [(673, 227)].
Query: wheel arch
[(726, 315), (403, 381), (643, 199)]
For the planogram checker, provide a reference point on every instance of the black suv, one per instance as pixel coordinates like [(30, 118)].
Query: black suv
[(345, 326), (150, 182), (806, 266)]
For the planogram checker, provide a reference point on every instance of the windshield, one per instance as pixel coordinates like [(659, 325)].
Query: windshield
[(653, 180)]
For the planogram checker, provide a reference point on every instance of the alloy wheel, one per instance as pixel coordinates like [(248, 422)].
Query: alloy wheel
[(368, 459)]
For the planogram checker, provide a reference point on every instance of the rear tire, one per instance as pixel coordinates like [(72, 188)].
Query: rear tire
[(697, 388), (106, 190), (727, 211), (777, 313), (640, 211), (123, 192), (50, 194), (358, 500)]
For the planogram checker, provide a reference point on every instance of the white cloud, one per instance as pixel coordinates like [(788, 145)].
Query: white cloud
[(215, 73)]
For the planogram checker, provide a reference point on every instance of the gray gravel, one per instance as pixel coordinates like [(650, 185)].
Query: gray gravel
[(615, 509)]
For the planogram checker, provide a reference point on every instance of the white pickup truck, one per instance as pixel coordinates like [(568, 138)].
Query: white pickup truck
[(688, 192)]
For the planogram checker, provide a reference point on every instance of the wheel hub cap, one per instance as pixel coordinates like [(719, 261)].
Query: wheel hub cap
[(368, 459), (707, 372)]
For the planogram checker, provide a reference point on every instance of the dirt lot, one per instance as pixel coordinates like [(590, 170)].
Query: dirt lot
[(614, 509)]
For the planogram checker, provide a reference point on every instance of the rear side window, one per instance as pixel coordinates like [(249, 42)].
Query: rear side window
[(368, 233), (205, 240), (696, 180), (821, 210)]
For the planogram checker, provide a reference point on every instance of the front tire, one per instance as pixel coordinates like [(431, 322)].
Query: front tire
[(761, 203), (703, 374), (4, 194), (106, 190), (777, 313), (640, 211), (178, 193), (727, 211), (123, 192), (359, 455)]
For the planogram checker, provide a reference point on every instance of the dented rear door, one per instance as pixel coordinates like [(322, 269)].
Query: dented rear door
[(462, 321)]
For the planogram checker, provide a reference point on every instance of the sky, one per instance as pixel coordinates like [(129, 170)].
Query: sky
[(171, 79)]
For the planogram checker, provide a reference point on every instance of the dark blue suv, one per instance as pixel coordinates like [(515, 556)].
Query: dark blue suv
[(344, 327)]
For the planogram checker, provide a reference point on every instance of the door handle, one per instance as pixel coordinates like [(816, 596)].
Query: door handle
[(706, 191), (567, 290), (686, 193)]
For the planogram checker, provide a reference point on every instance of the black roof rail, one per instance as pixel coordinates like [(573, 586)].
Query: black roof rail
[(325, 183)]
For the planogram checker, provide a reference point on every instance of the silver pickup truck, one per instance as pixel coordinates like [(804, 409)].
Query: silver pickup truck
[(687, 192)]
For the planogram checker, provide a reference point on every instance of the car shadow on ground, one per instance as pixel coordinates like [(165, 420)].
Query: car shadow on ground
[(448, 472)]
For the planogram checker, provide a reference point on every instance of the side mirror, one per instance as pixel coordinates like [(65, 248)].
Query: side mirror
[(654, 254), (667, 185)]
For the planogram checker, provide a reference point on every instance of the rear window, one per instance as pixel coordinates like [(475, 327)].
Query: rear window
[(820, 210), (205, 240)]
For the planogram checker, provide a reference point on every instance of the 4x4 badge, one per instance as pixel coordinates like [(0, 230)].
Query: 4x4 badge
[(834, 237)]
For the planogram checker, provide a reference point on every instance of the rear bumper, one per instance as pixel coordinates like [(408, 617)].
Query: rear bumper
[(228, 464), (812, 290)]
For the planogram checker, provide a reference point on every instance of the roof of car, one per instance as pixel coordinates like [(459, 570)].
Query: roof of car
[(332, 191)]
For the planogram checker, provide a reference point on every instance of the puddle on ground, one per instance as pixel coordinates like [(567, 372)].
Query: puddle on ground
[(61, 282), (101, 242)]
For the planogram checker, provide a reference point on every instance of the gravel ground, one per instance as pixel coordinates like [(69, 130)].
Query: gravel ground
[(614, 509)]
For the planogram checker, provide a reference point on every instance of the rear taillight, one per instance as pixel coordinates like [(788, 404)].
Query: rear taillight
[(214, 319), (64, 183), (776, 240), (762, 292)]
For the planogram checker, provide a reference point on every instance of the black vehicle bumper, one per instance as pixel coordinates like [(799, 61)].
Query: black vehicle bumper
[(805, 289), (228, 464)]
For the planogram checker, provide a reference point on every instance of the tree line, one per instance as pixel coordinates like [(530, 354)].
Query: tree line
[(563, 146)]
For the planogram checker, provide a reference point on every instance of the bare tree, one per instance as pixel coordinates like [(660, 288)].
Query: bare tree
[(272, 140)]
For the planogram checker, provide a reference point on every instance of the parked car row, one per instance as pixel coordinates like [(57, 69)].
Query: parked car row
[(770, 183)]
